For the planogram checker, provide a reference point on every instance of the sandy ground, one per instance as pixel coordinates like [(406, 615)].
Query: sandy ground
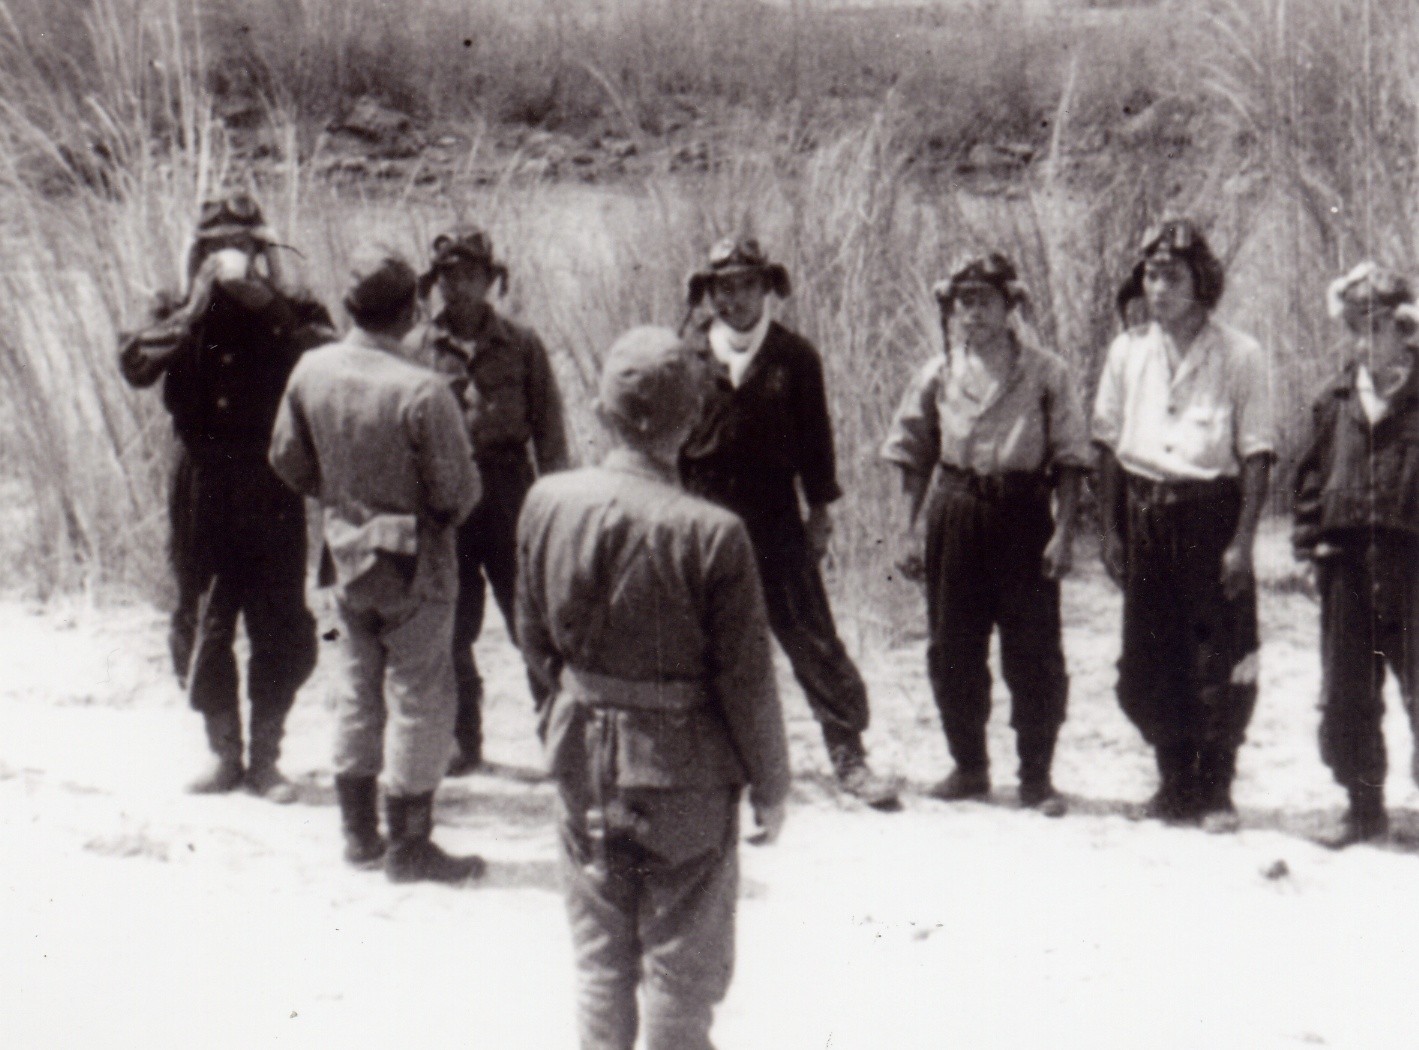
[(135, 916)]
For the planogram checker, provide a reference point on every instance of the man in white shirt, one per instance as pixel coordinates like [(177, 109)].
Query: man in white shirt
[(1183, 419)]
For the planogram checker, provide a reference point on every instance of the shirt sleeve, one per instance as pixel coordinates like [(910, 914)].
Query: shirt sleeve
[(144, 355), (292, 452), (450, 482), (1108, 401), (741, 665), (1309, 485), (1068, 432), (817, 459), (544, 409), (914, 438), (1253, 414), (534, 635)]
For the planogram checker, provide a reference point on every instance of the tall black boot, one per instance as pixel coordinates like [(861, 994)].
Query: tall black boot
[(359, 819), (1217, 766), (1173, 799), (1365, 820), (1036, 785), (412, 857), (224, 738), (262, 776)]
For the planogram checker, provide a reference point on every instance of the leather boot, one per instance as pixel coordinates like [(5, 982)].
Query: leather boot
[(1036, 786), (359, 819), (962, 784), (849, 759), (262, 777), (412, 857), (224, 738), (1216, 769), (1365, 820), (1172, 802)]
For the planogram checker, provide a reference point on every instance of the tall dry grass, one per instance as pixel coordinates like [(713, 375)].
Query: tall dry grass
[(108, 142)]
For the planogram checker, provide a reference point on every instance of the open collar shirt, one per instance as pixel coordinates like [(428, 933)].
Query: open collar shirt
[(956, 413), (1185, 417)]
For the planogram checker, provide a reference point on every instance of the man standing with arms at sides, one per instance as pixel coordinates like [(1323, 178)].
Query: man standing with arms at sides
[(763, 435), (985, 434), (1183, 419), (511, 404), (642, 621), (381, 444), (1357, 521), (238, 543)]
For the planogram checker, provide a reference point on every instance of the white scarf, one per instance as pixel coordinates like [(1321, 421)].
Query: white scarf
[(736, 349)]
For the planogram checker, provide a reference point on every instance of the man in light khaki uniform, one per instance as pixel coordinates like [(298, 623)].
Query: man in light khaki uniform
[(641, 616), (381, 444)]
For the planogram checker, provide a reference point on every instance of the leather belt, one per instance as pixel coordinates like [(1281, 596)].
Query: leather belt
[(598, 690), (1010, 484), (1169, 493)]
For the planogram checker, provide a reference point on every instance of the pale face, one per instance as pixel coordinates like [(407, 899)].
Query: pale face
[(738, 299), (1169, 289)]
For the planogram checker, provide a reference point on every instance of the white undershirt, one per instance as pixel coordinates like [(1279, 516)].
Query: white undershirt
[(1374, 404), (736, 349)]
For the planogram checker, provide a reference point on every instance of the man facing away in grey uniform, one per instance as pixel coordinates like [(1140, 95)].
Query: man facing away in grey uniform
[(640, 613), (380, 443)]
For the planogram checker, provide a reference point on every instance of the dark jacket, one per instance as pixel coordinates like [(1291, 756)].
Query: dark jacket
[(1353, 476), (753, 442), (223, 375), (505, 381), (635, 596)]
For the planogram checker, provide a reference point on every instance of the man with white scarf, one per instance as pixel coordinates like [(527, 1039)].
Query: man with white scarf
[(764, 435)]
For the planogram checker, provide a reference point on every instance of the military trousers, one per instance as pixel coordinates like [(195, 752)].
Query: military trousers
[(1188, 669), (985, 541), (1369, 591), (802, 621), (394, 694), (487, 556), (238, 550), (651, 878)]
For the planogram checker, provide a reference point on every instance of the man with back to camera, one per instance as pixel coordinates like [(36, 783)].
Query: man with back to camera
[(651, 734), (765, 434), (380, 443), (238, 536), (1183, 421), (511, 404)]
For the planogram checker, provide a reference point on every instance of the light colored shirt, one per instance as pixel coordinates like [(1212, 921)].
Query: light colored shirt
[(735, 349), (1185, 417), (380, 443), (956, 413)]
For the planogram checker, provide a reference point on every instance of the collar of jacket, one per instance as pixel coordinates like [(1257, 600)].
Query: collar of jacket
[(1344, 384), (374, 341), (493, 330), (633, 461)]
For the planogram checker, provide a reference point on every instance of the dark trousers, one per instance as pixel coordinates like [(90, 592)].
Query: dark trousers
[(1187, 674), (985, 571), (1369, 617), (651, 881), (802, 621), (238, 549), (487, 555)]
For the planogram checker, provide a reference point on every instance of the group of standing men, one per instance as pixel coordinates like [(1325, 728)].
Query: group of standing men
[(643, 591)]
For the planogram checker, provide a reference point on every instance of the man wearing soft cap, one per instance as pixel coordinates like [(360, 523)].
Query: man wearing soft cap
[(1357, 522), (380, 443), (763, 439), (641, 618)]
